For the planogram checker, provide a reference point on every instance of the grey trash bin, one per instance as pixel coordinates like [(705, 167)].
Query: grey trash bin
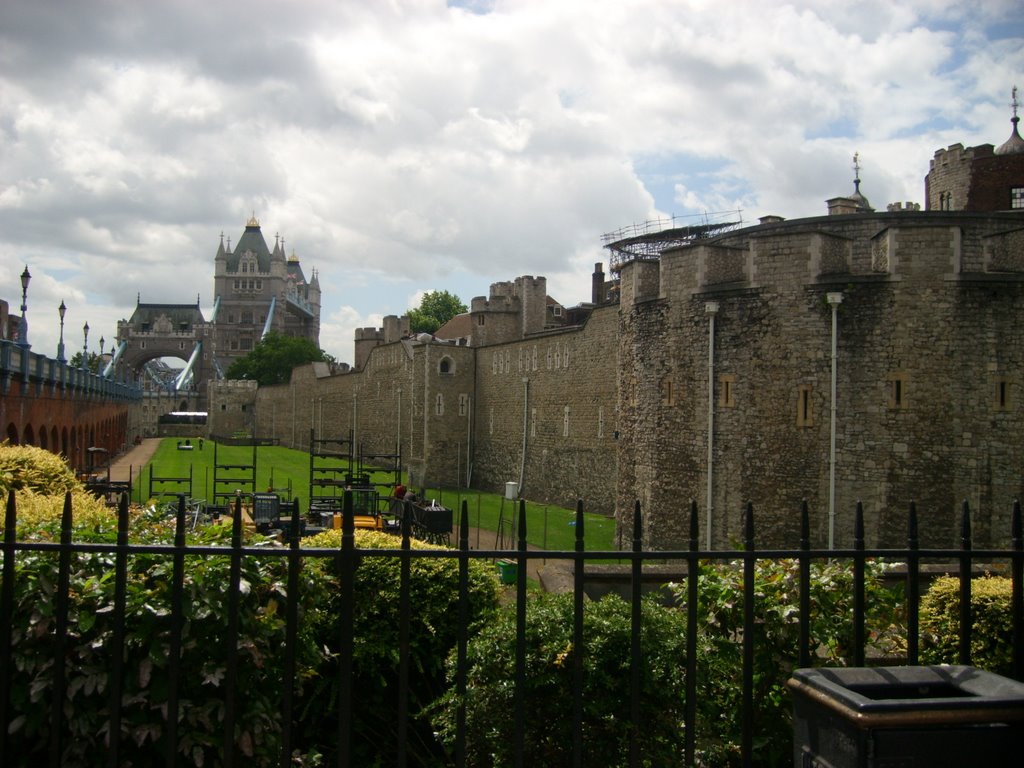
[(906, 717)]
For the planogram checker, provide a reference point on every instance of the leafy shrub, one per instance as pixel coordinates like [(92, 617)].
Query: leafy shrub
[(776, 646), (991, 623), (548, 686), (433, 632), (89, 653)]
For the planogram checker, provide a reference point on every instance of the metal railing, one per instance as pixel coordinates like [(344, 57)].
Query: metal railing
[(346, 560)]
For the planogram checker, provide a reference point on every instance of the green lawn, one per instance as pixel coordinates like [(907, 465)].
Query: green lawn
[(287, 472)]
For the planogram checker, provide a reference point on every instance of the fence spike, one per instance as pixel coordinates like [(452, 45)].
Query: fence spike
[(804, 639), (637, 526), (522, 524), (1017, 591), (965, 584), (749, 577), (913, 586)]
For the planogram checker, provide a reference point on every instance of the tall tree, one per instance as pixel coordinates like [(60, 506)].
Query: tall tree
[(436, 308), (273, 358), (95, 362)]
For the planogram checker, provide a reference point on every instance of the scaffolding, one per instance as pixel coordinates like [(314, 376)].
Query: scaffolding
[(647, 241)]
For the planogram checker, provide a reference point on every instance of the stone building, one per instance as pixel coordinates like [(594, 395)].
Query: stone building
[(980, 178), (256, 290), (260, 290), (857, 357)]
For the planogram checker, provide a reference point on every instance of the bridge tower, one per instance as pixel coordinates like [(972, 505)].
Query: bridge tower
[(259, 290)]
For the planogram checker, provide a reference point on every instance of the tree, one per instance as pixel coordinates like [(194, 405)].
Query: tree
[(95, 361), (436, 308), (273, 358)]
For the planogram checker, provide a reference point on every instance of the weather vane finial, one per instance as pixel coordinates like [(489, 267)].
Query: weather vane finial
[(1013, 101)]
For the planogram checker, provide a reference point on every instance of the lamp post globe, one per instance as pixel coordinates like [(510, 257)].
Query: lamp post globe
[(85, 346), (26, 276), (60, 344)]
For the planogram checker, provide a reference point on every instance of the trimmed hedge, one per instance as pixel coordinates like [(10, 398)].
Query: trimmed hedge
[(991, 623)]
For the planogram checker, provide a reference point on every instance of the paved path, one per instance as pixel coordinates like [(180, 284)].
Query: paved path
[(128, 465)]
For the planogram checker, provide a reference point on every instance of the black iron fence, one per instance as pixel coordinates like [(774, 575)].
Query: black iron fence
[(347, 560)]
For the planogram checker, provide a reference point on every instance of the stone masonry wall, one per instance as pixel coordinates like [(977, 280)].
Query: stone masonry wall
[(554, 395), (928, 386)]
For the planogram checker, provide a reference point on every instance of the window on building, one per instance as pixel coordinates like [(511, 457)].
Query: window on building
[(898, 390), (1017, 197), (804, 406), (533, 422), (727, 391), (463, 405), (480, 319), (600, 421), (556, 311), (446, 366), (245, 344), (1002, 400), (565, 421), (439, 405), (668, 395)]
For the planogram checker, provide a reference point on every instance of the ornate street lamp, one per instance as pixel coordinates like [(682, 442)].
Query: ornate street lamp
[(60, 344), (23, 329), (85, 346)]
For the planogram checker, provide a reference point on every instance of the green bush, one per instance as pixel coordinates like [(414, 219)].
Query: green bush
[(433, 633), (259, 689), (991, 623), (548, 738), (776, 646), (89, 654)]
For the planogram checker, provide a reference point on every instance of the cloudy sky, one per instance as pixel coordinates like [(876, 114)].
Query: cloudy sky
[(408, 145)]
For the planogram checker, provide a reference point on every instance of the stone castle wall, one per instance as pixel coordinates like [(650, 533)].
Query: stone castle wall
[(928, 380), (456, 413), (928, 408), (552, 394)]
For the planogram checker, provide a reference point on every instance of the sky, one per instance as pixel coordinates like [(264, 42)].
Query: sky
[(403, 146)]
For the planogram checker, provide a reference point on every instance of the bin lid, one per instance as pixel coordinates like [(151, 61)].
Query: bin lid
[(874, 692)]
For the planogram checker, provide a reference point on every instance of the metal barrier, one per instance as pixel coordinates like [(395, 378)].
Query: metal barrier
[(347, 559)]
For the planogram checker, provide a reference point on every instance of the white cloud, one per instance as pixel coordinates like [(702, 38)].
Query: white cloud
[(400, 145)]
